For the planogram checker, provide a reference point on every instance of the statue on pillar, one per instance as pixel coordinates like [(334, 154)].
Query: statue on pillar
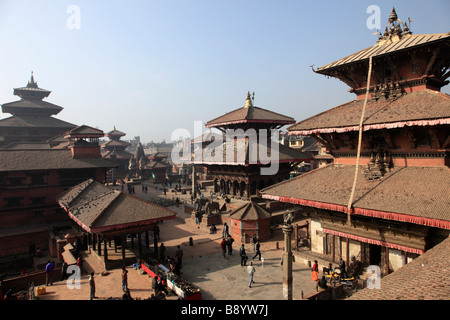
[(288, 217)]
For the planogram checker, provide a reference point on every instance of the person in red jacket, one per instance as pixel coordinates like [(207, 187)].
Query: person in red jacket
[(223, 245)]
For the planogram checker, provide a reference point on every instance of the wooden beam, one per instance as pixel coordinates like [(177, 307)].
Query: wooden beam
[(105, 251), (434, 139), (388, 138), (410, 135), (387, 259), (432, 60)]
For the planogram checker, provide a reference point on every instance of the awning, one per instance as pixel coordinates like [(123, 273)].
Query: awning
[(372, 241)]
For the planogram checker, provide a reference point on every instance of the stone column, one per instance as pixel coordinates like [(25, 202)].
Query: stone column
[(287, 262)]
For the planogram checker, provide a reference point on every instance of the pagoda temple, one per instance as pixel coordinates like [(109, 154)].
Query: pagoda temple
[(115, 149), (385, 199), (239, 172), (30, 179), (31, 119)]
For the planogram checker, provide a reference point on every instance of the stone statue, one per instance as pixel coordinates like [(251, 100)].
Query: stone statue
[(212, 206), (288, 217)]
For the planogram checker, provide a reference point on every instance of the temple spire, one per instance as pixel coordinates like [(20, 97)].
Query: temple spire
[(393, 16), (32, 83), (248, 101)]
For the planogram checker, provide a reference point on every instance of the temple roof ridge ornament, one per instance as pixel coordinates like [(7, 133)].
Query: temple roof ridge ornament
[(31, 90), (249, 100), (32, 83), (395, 29)]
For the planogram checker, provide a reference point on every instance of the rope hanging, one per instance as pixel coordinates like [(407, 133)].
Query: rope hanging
[(350, 201)]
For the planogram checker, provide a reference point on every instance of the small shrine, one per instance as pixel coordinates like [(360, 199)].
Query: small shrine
[(248, 220)]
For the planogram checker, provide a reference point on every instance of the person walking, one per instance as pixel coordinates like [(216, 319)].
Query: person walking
[(243, 255), (254, 239), (64, 271), (225, 232), (92, 286), (257, 251), (223, 245), (49, 269), (124, 279), (251, 271), (179, 256), (230, 241), (80, 263), (315, 277), (316, 266)]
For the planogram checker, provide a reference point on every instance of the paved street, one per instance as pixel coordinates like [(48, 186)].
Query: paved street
[(218, 278)]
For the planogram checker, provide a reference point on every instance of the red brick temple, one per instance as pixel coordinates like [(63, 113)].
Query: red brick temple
[(241, 176), (400, 204), (248, 220), (32, 118)]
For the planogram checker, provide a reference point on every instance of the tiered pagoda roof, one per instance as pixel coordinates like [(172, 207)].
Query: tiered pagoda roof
[(47, 159), (250, 114), (385, 47), (97, 208), (244, 150), (390, 198), (115, 134), (84, 132), (31, 101), (420, 108)]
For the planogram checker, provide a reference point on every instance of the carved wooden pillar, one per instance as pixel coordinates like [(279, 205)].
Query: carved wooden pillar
[(105, 252)]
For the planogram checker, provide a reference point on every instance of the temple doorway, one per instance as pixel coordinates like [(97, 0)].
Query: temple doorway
[(374, 254)]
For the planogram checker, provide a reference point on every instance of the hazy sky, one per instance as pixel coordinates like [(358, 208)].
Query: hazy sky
[(150, 67)]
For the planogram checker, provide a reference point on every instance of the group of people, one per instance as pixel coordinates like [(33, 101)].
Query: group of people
[(227, 243), (322, 282), (126, 291)]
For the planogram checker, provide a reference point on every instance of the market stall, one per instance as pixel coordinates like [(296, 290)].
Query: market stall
[(182, 288)]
